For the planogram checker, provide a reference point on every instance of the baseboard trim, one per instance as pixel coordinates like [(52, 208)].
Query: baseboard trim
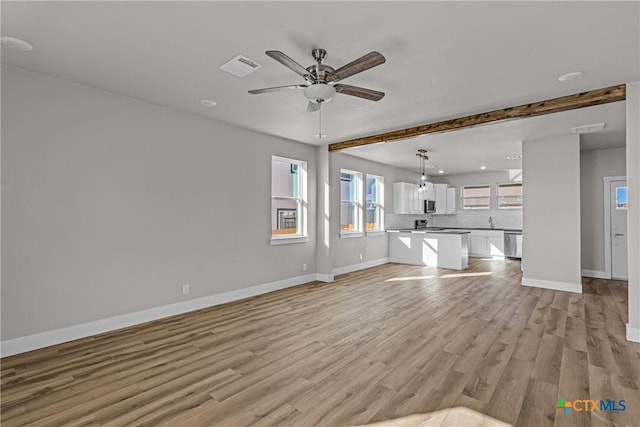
[(324, 277), (360, 266), (550, 284), (633, 334), (597, 274), (83, 330)]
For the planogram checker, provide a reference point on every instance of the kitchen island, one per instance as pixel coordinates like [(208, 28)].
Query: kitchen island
[(433, 248)]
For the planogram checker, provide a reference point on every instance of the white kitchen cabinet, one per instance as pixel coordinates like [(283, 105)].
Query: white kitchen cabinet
[(406, 199), (496, 245), (477, 244), (486, 243), (441, 198), (446, 250), (451, 200), (430, 193)]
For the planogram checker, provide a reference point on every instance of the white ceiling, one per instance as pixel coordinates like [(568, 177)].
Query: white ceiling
[(464, 151), (444, 59)]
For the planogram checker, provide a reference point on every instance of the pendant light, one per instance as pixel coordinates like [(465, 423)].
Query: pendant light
[(422, 156)]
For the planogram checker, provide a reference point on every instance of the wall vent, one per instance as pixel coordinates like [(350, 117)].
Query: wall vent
[(240, 66), (588, 128)]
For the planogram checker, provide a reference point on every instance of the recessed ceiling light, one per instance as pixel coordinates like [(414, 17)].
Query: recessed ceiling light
[(570, 76), (515, 157), (440, 171), (17, 44), (321, 135), (208, 103), (483, 167)]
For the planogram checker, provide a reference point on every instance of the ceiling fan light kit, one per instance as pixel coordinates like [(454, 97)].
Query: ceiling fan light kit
[(322, 80), (319, 92)]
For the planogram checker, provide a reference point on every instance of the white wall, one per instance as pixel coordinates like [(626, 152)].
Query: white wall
[(633, 213), (110, 204), (346, 251), (503, 218), (551, 213), (594, 166)]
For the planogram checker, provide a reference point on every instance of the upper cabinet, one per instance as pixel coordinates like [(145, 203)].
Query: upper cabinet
[(430, 193), (445, 199), (441, 199), (451, 200), (406, 199)]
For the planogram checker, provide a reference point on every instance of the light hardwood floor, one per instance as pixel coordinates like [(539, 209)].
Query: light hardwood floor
[(381, 344)]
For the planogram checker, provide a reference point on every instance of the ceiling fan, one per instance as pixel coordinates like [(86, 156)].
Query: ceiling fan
[(322, 80)]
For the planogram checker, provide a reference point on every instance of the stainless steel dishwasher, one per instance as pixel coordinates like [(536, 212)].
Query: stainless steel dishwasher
[(513, 244)]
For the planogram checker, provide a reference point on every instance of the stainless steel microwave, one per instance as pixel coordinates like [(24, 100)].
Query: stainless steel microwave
[(429, 206)]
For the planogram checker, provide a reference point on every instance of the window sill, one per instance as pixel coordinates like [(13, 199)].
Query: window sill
[(375, 232), (288, 240), (351, 235)]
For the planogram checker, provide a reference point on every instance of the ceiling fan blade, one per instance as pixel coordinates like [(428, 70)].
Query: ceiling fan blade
[(360, 92), (276, 89), (288, 62), (361, 64), (313, 106)]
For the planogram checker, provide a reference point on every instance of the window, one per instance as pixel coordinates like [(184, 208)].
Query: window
[(621, 198), (375, 203), (510, 196), (288, 198), (350, 202), (476, 196)]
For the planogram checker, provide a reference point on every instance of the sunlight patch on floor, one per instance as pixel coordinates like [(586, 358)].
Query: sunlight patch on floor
[(452, 275), (452, 417), (406, 279)]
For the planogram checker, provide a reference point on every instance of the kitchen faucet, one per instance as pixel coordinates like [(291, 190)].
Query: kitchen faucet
[(491, 223)]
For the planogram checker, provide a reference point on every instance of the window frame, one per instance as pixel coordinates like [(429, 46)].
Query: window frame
[(301, 235), (379, 203), (357, 204), (500, 184), (463, 198)]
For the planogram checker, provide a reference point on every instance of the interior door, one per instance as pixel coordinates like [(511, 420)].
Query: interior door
[(618, 206)]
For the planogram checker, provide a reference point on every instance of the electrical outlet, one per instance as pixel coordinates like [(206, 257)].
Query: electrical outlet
[(361, 256), (304, 267), (185, 289)]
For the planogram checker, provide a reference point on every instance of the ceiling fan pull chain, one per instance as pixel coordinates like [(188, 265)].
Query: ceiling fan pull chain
[(320, 121)]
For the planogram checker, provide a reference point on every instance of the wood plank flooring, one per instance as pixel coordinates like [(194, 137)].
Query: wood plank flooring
[(392, 345)]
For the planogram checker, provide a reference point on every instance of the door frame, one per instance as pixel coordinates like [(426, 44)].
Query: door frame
[(607, 221)]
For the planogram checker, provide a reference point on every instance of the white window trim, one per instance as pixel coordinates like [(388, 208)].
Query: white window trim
[(380, 203), (288, 240), (359, 232), (462, 198), (303, 236), (351, 234), (498, 196)]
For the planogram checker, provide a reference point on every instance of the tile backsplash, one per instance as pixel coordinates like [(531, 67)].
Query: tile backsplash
[(396, 221), (502, 218)]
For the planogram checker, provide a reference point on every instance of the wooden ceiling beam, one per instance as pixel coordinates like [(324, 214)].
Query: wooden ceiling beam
[(548, 106)]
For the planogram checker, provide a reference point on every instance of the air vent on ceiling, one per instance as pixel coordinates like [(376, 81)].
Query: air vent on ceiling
[(240, 66), (588, 128)]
